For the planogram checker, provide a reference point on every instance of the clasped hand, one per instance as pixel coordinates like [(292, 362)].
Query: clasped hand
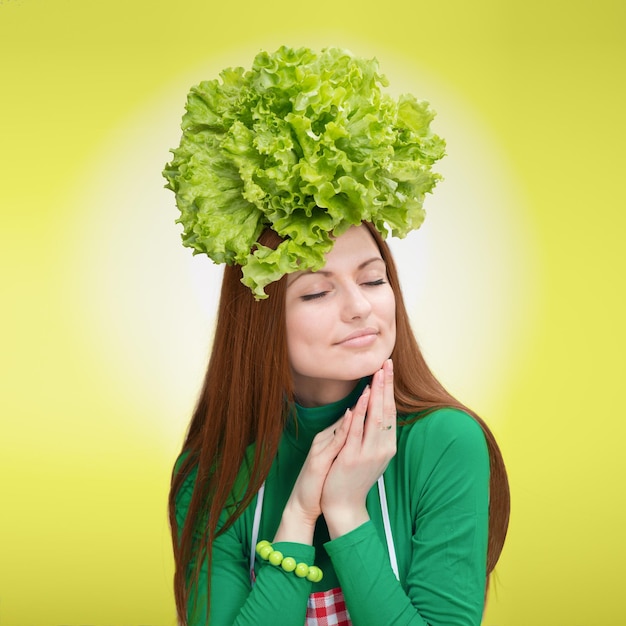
[(344, 462)]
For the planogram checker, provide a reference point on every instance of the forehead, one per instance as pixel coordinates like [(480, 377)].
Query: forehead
[(356, 243), (352, 251)]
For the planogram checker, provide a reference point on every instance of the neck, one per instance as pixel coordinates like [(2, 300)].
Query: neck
[(322, 392)]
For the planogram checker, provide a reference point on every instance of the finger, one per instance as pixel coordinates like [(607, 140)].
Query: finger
[(355, 434), (382, 406), (374, 422), (389, 399), (341, 426), (340, 434), (326, 446), (335, 435)]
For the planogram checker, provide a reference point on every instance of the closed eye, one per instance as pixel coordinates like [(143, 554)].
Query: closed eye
[(313, 296), (375, 283)]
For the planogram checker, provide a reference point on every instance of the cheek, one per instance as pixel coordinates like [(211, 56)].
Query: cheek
[(300, 333), (389, 315), (387, 309)]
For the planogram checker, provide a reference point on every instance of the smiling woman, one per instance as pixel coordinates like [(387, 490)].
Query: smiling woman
[(378, 497), (340, 320)]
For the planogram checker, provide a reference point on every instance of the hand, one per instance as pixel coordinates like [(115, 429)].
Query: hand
[(370, 445), (304, 505)]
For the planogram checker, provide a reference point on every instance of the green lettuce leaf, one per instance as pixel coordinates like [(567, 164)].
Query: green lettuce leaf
[(306, 144)]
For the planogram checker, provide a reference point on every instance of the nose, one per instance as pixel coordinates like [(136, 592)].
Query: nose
[(355, 303)]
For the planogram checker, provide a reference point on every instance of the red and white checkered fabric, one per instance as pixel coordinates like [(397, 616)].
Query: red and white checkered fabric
[(327, 608)]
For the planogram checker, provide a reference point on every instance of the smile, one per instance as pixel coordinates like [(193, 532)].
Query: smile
[(359, 339)]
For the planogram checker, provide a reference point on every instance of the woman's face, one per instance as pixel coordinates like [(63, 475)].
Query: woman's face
[(341, 320)]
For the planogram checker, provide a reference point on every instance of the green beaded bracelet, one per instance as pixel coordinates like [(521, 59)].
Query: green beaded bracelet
[(311, 572)]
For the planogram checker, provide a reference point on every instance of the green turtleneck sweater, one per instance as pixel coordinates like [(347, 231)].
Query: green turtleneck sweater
[(437, 492)]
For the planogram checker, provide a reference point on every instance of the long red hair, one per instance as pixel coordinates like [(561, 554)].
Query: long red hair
[(244, 399)]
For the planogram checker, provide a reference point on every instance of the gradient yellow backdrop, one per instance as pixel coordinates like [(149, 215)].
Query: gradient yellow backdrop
[(105, 319)]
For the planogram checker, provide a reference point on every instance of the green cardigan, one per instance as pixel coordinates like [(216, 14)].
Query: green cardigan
[(437, 492)]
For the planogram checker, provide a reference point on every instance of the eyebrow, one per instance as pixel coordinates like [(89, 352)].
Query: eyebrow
[(327, 273)]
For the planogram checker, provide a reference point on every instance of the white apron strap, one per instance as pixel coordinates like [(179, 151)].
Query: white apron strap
[(387, 525), (256, 523)]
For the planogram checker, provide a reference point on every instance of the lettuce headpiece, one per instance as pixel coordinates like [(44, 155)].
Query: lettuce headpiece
[(305, 144)]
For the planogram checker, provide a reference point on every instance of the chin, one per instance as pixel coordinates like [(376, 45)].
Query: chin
[(367, 366)]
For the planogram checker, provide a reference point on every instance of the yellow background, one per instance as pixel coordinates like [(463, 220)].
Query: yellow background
[(99, 365)]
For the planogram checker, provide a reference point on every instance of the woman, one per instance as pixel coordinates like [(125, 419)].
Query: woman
[(321, 438)]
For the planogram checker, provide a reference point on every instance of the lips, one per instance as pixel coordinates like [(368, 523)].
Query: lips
[(364, 336)]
